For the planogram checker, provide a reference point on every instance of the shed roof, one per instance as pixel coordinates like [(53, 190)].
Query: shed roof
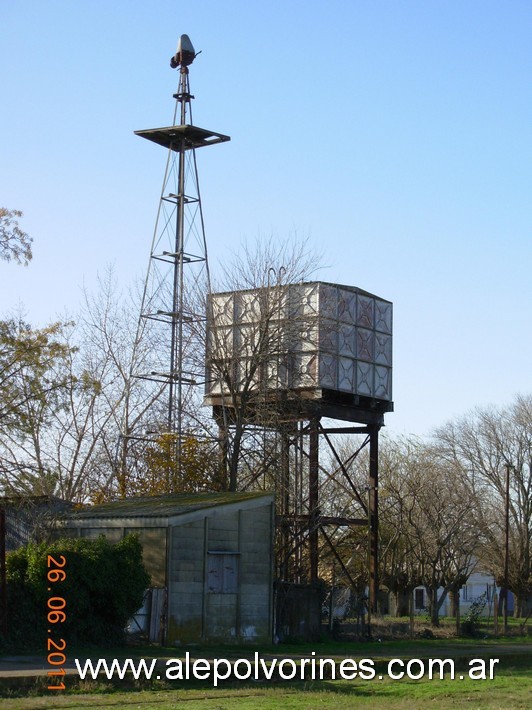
[(162, 506)]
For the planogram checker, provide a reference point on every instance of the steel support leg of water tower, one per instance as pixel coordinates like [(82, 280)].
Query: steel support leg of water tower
[(313, 497), (285, 501), (373, 514)]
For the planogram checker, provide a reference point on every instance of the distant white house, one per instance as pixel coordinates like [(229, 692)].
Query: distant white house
[(479, 583)]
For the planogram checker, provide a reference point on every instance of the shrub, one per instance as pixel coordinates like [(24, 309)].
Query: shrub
[(103, 588), (471, 619)]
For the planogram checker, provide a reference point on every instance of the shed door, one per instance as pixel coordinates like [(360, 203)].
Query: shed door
[(222, 595)]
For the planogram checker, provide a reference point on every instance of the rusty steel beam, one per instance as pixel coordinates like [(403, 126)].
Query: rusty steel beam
[(373, 517), (313, 501)]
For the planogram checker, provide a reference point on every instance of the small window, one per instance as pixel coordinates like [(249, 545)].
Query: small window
[(467, 593), (222, 572), (419, 598)]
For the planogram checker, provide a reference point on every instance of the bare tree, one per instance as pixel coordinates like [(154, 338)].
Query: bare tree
[(72, 393), (427, 535), (90, 438), (247, 352), (481, 445), (440, 527), (400, 570)]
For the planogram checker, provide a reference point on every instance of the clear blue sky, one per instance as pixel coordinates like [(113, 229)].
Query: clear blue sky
[(395, 135)]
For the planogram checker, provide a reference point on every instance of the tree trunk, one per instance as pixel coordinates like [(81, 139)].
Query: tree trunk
[(411, 610), (401, 597), (223, 441), (519, 606), (435, 605), (454, 599), (235, 454)]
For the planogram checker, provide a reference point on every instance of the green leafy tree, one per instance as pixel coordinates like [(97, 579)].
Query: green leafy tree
[(35, 382), (29, 360), (15, 244), (157, 472), (102, 585)]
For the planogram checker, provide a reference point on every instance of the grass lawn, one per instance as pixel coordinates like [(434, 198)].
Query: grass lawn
[(400, 648), (510, 688)]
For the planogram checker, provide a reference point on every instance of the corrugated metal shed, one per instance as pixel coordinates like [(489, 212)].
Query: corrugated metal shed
[(211, 553)]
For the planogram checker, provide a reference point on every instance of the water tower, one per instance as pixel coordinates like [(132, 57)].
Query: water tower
[(293, 357)]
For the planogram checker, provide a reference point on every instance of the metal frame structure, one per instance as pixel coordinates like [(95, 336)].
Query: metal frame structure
[(178, 263), (300, 523)]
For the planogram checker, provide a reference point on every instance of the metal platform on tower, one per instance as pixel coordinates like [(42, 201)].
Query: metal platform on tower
[(179, 138)]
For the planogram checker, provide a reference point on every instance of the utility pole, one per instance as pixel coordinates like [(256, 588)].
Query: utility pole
[(506, 547)]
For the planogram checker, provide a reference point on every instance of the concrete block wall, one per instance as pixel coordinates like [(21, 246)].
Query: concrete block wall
[(223, 532), (255, 576), (186, 581)]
